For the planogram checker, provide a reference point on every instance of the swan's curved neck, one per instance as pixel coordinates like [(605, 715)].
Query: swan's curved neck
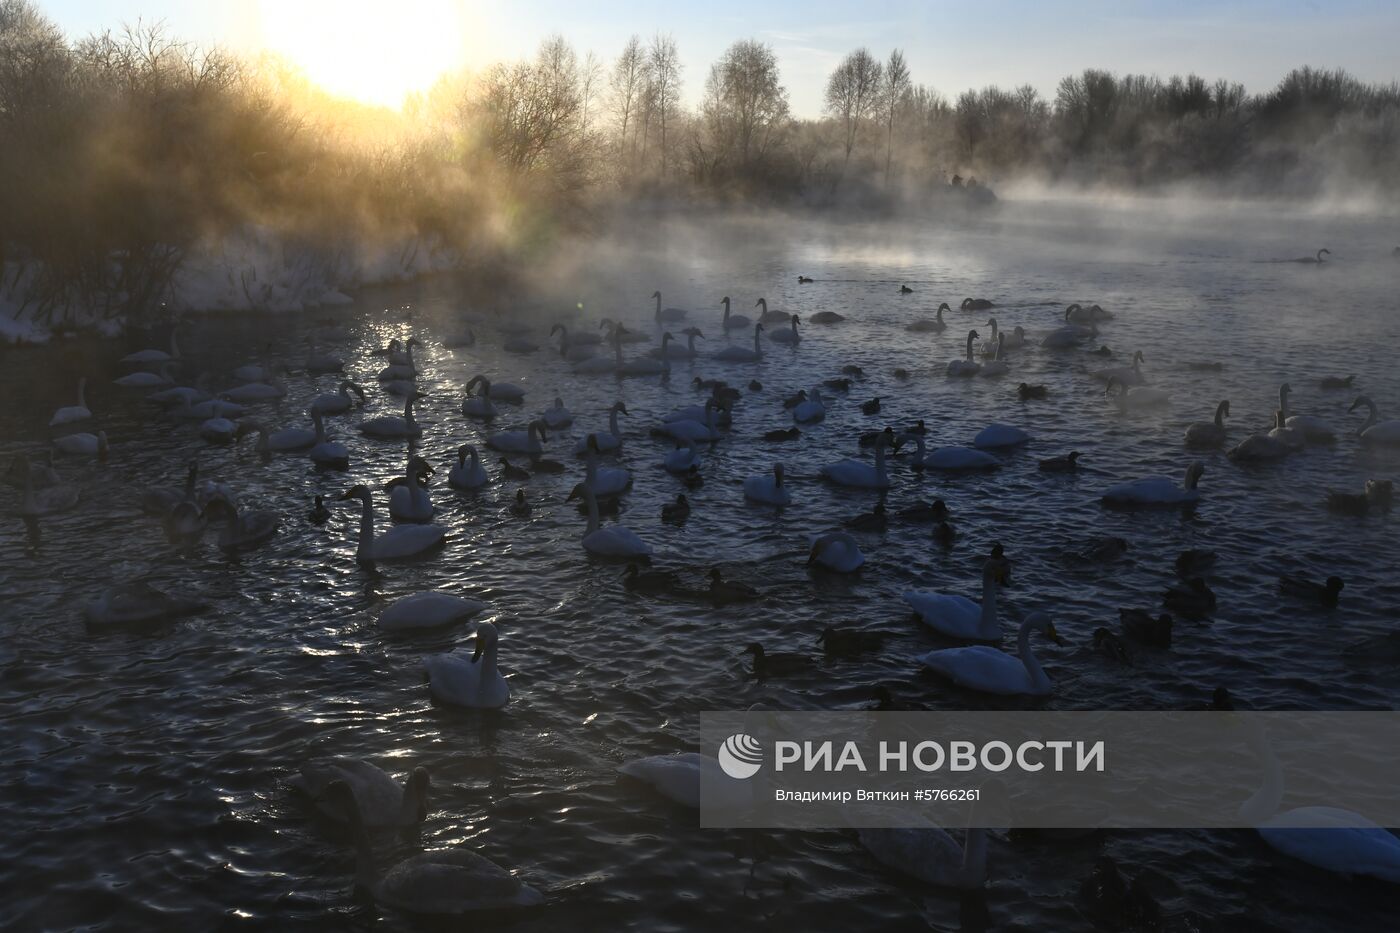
[(1220, 415), (988, 622), (592, 501), (1028, 658), (1283, 404), (362, 550), (1371, 418), (612, 424), (408, 412), (1265, 801), (969, 347), (320, 426), (757, 347), (940, 314)]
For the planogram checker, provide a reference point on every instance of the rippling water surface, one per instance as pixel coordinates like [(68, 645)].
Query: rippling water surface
[(144, 773)]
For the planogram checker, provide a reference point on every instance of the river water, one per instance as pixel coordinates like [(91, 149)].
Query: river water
[(144, 772)]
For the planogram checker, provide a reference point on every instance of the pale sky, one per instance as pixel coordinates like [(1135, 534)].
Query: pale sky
[(378, 50)]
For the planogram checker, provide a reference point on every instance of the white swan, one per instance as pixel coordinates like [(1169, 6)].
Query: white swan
[(683, 458), (1136, 398), (459, 339), (255, 392), (571, 348), (401, 366), (1314, 429), (996, 366), (604, 481), (137, 604), (930, 854), (672, 351), (529, 441), (994, 436), (150, 357), (667, 315), (1158, 490), (246, 530), (1375, 431), (36, 502), (966, 366), (285, 439), (958, 616), (768, 489), (381, 801), (409, 501), (338, 402), (678, 778), (733, 321), (1329, 838), (1265, 447), (82, 445), (479, 406), (147, 380), (743, 354), (326, 453), (775, 316), (646, 366), (1068, 335), (191, 410), (218, 430), (431, 609), (687, 430), (930, 325), (613, 541), (465, 475), (609, 440), (951, 459), (393, 427), (474, 682), (398, 542), (1209, 433), (989, 348), (1127, 375), (786, 335), (990, 670), (503, 391), (858, 473), (557, 418), (73, 413), (811, 409), (836, 550)]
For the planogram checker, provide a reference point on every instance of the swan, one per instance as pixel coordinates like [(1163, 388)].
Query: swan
[(951, 459), (323, 363), (392, 427), (676, 512), (209, 408), (218, 430), (1158, 490), (557, 418), (966, 366), (474, 682), (860, 474), (687, 430), (930, 854), (975, 304), (409, 501), (150, 357), (743, 354), (464, 475), (933, 325), (147, 380), (1316, 258), (999, 435), (789, 335), (1138, 398), (679, 777), (442, 882), (1329, 838), (990, 670), (529, 441), (503, 391), (675, 351), (1069, 334), (1313, 429), (479, 406), (606, 481), (82, 445), (613, 541), (37, 502), (683, 458), (519, 345), (287, 438), (836, 550), (607, 441), (380, 800), (459, 339), (254, 392), (646, 366), (1374, 431), (1127, 375), (1016, 339), (996, 366), (401, 366), (246, 530), (1069, 463), (570, 348), (769, 490), (723, 417), (958, 616), (1264, 447), (810, 410), (1077, 314), (137, 604), (338, 402), (325, 453), (400, 541), (667, 315), (73, 413), (400, 352), (771, 317), (733, 321), (1209, 433)]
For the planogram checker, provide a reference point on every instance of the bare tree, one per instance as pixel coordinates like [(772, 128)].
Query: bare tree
[(665, 86), (529, 111), (893, 96), (745, 107), (853, 93), (628, 86)]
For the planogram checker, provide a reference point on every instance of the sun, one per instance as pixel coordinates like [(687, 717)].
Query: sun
[(374, 52)]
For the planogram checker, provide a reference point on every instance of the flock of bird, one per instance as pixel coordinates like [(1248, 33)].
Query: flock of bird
[(365, 798)]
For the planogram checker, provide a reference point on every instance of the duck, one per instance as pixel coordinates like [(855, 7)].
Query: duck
[(338, 402), (810, 410), (520, 506), (1026, 392), (1314, 429), (905, 290), (1158, 490), (72, 414), (608, 441), (1326, 593), (1069, 463), (928, 853), (959, 617), (614, 541), (409, 500), (733, 321), (780, 664), (1376, 432), (1111, 646), (1376, 497), (874, 520), (678, 511), (997, 436), (786, 335), (836, 551), (473, 682), (1194, 598), (804, 280), (512, 473), (1103, 550), (1136, 398), (398, 542), (966, 366), (83, 444), (782, 434), (319, 514), (529, 441), (247, 530), (393, 427), (654, 582), (996, 366), (1336, 382), (923, 512), (1207, 434), (934, 324), (1143, 627), (771, 317), (381, 801), (737, 354), (139, 603), (723, 592), (850, 642), (1193, 562), (858, 473), (464, 475), (990, 670), (1127, 375), (836, 385), (667, 315), (945, 534), (767, 489)]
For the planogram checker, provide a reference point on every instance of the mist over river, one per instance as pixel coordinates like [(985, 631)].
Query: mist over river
[(145, 772)]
